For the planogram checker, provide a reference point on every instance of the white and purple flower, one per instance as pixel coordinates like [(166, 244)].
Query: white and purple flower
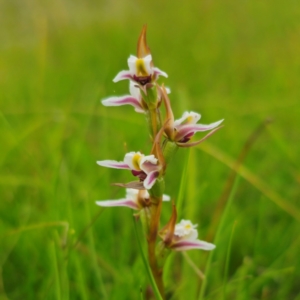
[(183, 237), (182, 130), (186, 126), (145, 167), (141, 71), (135, 199), (186, 238)]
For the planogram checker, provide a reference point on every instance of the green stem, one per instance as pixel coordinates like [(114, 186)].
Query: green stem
[(149, 272), (154, 121)]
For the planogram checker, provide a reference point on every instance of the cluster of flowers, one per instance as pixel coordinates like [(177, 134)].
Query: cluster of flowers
[(146, 194)]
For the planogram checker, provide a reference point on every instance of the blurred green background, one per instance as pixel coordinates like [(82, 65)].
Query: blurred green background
[(237, 60)]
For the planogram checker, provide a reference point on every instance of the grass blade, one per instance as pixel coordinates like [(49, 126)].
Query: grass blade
[(220, 227)]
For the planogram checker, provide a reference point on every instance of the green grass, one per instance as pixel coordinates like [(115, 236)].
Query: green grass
[(237, 60)]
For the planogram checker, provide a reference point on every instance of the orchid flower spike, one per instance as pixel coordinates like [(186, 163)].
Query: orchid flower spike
[(145, 167), (182, 130), (135, 199), (184, 237)]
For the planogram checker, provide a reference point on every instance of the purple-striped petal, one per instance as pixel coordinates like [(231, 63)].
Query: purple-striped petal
[(150, 180), (188, 129), (122, 76), (113, 164), (183, 245), (157, 72), (121, 202), (124, 100), (191, 144)]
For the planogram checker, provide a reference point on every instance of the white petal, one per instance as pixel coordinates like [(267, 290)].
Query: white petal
[(187, 118), (147, 62), (190, 234), (190, 129), (122, 76), (113, 164), (189, 245), (150, 158), (133, 160), (186, 230), (121, 202), (124, 100), (158, 72), (131, 193), (132, 64), (150, 180), (134, 90)]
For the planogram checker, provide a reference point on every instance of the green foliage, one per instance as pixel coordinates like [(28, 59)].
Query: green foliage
[(226, 59)]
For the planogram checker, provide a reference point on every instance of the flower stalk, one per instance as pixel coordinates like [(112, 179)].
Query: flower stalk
[(154, 121), (146, 194), (151, 239)]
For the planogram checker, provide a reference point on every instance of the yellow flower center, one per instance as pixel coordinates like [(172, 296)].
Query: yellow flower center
[(188, 226), (136, 161), (187, 120), (141, 68)]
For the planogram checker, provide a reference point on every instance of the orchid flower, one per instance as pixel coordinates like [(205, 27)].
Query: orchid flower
[(182, 130), (135, 199), (140, 71), (185, 237), (186, 126), (145, 167), (182, 236)]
